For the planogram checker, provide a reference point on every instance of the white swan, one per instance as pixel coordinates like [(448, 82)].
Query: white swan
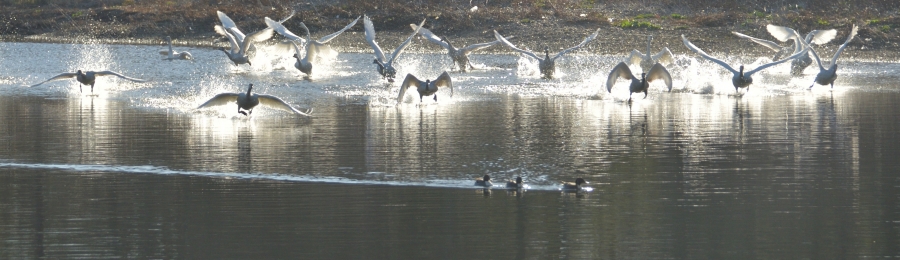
[(814, 37), (740, 79), (827, 76), (427, 87), (385, 66), (247, 101), (315, 50), (171, 54), (547, 64), (459, 56), (779, 50), (240, 44), (657, 71), (646, 61), (88, 77)]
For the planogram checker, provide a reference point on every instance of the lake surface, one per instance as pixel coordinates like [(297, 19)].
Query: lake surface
[(781, 172)]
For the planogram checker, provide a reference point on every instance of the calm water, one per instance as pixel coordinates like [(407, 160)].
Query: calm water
[(135, 171)]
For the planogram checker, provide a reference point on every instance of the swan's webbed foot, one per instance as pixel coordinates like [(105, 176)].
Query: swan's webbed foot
[(435, 97)]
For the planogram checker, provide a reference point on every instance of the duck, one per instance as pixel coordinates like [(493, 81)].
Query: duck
[(427, 87), (814, 37), (646, 61), (740, 78), (827, 76), (517, 184), (484, 181), (546, 64), (657, 71), (88, 77), (171, 54), (239, 44), (459, 56), (386, 66), (574, 186), (315, 50), (247, 101)]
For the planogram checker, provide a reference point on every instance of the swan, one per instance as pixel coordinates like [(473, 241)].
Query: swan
[(385, 66), (827, 76), (814, 37), (315, 50), (460, 56), (484, 181), (740, 79), (247, 101), (240, 44), (658, 71), (574, 186), (515, 184), (646, 61), (88, 77), (175, 55), (547, 64), (779, 50), (427, 87)]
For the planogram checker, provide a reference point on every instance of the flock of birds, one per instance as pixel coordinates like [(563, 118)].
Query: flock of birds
[(518, 184), (653, 66)]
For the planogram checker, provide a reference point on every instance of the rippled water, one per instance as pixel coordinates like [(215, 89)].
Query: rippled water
[(136, 171)]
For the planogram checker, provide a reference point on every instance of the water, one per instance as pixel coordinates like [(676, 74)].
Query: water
[(136, 171)]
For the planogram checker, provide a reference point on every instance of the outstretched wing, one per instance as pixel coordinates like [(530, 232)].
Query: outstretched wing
[(408, 82), (664, 56), (582, 44), (113, 73), (706, 56), (478, 46), (370, 38), (229, 27), (619, 71), (280, 29), (820, 36), (766, 43), (796, 55), (783, 33), (277, 103), (258, 36), (430, 36), (404, 44), (658, 71), (60, 76), (220, 99), (513, 47), (635, 57), (443, 81), (841, 49), (327, 38)]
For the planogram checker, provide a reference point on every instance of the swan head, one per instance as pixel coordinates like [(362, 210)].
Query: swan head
[(168, 38), (580, 181), (643, 76), (486, 178), (519, 180), (546, 52), (741, 70), (79, 72)]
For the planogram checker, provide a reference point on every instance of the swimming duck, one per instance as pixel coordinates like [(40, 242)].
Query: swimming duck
[(827, 76), (547, 64), (459, 56), (88, 77), (315, 50), (646, 61), (638, 85), (247, 101), (385, 66), (740, 79), (426, 88), (484, 181), (574, 186), (515, 184), (175, 55), (814, 37), (240, 44)]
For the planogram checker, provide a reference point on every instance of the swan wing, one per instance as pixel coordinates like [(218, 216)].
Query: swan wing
[(635, 57), (664, 56), (288, 16), (766, 43), (619, 71), (229, 26), (478, 46), (764, 66), (841, 49), (444, 81), (370, 38), (782, 33), (328, 38), (820, 36), (220, 99), (410, 81), (706, 56), (113, 73), (277, 103), (60, 76), (258, 36), (658, 71), (582, 44), (405, 43), (513, 47), (430, 36), (280, 29)]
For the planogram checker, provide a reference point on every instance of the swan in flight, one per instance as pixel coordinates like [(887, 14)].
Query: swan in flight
[(315, 50), (547, 64), (741, 79), (427, 87), (779, 50), (658, 71), (240, 44), (814, 37), (459, 56), (88, 77), (171, 54), (386, 66), (646, 61), (827, 76), (247, 101)]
